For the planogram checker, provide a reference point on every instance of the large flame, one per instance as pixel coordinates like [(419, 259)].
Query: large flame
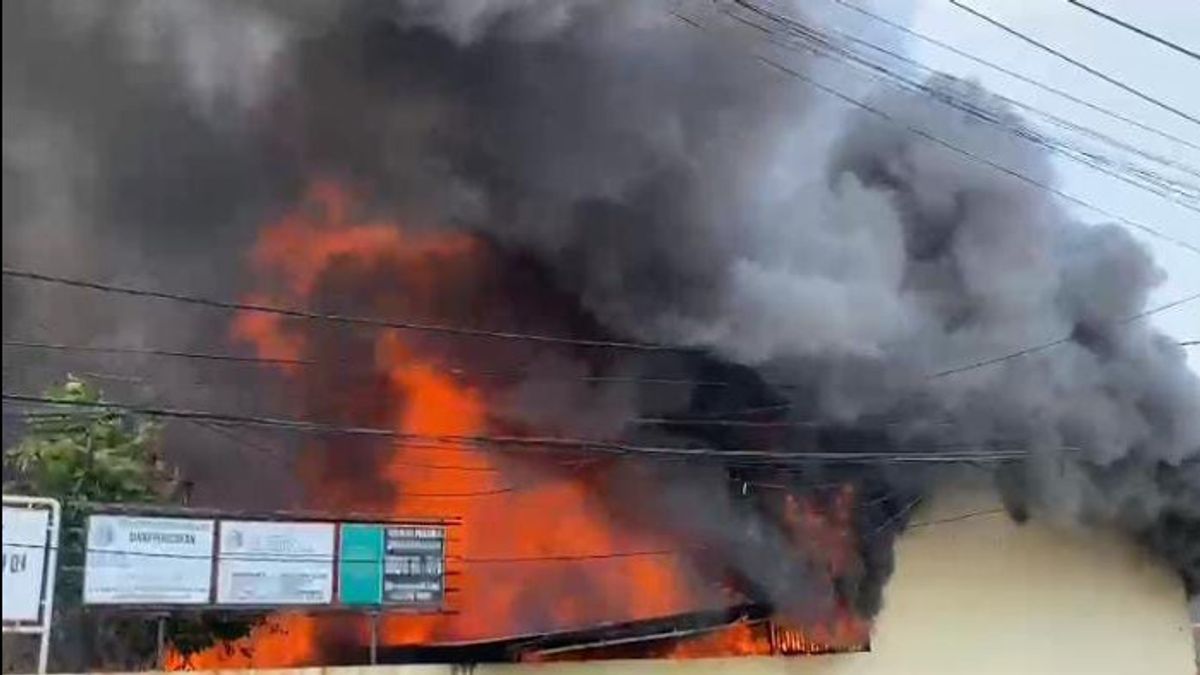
[(521, 514), (529, 553)]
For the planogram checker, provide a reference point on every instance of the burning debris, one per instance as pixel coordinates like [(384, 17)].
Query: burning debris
[(804, 280)]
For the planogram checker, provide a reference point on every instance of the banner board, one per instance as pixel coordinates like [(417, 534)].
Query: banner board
[(275, 563), (31, 527), (148, 560), (392, 565), (26, 540), (360, 578)]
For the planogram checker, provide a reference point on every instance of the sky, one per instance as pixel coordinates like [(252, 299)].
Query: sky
[(1137, 61), (1167, 75)]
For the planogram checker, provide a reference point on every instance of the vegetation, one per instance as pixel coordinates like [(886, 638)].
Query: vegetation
[(83, 455)]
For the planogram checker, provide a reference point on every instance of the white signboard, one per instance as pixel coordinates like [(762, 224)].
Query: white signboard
[(30, 559), (272, 563), (25, 540), (145, 560)]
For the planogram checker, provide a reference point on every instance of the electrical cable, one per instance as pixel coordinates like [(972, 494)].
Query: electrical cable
[(783, 68), (565, 557), (1017, 75), (1075, 62), (332, 558), (252, 360), (815, 40), (1054, 343), (560, 443), (341, 318), (1144, 33)]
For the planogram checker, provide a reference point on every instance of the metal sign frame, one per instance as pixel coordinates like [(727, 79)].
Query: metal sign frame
[(49, 573), (338, 520)]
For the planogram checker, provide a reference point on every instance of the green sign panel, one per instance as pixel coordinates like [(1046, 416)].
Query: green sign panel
[(392, 565), (361, 578)]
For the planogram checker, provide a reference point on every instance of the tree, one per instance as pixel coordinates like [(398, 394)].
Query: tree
[(82, 455)]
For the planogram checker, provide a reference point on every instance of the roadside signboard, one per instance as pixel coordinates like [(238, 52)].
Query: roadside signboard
[(26, 541), (275, 563), (148, 560), (360, 580), (30, 538), (392, 565)]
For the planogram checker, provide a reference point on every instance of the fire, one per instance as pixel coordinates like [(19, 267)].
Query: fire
[(765, 639), (283, 639), (509, 509), (740, 639)]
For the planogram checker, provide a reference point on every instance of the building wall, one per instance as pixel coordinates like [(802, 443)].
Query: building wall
[(982, 596), (985, 595)]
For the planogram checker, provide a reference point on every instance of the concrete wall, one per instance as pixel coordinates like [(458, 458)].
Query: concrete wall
[(983, 596)]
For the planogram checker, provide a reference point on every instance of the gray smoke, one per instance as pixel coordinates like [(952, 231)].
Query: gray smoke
[(676, 188)]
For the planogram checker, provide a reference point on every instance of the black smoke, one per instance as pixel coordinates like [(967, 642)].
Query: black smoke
[(661, 185)]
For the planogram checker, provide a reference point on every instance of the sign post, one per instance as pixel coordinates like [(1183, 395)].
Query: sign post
[(30, 527)]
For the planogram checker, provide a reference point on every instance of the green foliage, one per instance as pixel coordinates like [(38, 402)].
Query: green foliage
[(87, 454), (79, 455)]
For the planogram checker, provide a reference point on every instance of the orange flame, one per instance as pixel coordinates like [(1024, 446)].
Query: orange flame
[(507, 511)]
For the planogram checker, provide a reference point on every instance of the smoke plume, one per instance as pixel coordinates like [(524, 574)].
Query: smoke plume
[(633, 177)]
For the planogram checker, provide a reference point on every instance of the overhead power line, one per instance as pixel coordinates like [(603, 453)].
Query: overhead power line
[(566, 557), (342, 318), (1067, 338), (890, 119), (1075, 62), (1128, 26), (955, 519), (496, 442), (818, 41), (341, 362), (1017, 75), (145, 351), (656, 421), (489, 560), (695, 421), (272, 450)]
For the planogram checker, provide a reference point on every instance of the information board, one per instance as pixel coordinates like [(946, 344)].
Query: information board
[(392, 565), (360, 554), (148, 560), (26, 535), (275, 563), (31, 528)]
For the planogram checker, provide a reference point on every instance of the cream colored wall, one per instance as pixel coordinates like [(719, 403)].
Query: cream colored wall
[(984, 596), (981, 596)]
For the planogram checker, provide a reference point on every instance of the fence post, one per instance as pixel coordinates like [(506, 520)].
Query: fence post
[(374, 638)]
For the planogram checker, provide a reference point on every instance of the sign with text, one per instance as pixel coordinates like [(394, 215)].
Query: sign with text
[(26, 539), (275, 563), (414, 565), (392, 565), (148, 560)]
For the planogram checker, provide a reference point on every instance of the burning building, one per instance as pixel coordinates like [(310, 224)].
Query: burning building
[(669, 332), (973, 592)]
